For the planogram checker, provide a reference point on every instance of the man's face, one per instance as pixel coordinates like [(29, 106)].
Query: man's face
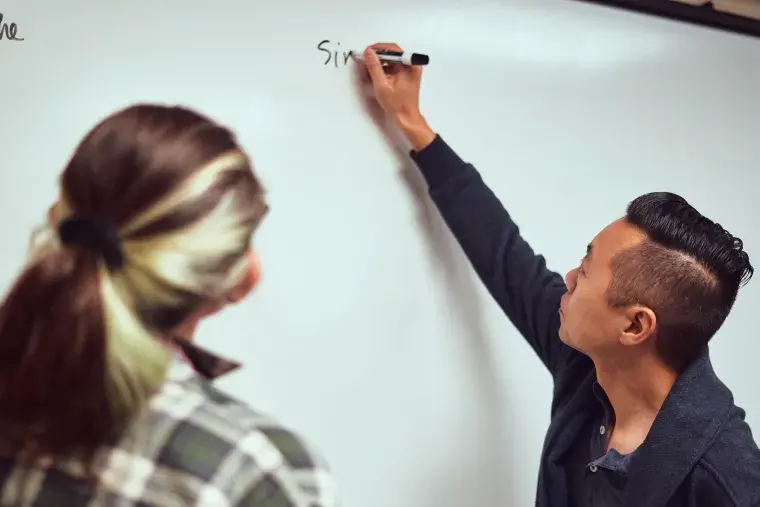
[(588, 323)]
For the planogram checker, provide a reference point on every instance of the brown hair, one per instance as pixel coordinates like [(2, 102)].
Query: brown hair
[(78, 350)]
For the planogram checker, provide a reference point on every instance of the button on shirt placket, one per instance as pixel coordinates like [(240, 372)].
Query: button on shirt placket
[(606, 470)]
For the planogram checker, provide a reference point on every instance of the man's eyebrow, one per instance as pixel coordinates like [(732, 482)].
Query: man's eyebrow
[(589, 247)]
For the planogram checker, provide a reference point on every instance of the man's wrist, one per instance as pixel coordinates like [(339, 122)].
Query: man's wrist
[(416, 130)]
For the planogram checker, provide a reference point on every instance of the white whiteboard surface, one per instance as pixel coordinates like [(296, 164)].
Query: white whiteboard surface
[(369, 333)]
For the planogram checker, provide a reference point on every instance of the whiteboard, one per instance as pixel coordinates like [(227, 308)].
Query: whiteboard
[(369, 333)]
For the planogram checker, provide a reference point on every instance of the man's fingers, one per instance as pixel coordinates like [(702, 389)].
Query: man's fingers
[(374, 67), (386, 46)]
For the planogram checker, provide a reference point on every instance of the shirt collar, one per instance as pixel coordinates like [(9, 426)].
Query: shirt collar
[(209, 365), (695, 412)]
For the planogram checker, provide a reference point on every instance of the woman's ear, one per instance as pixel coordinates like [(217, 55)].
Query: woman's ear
[(248, 283), (243, 288), (238, 293), (53, 216), (57, 212)]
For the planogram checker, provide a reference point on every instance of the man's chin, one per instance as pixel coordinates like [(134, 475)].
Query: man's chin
[(564, 338), (563, 335), (574, 347)]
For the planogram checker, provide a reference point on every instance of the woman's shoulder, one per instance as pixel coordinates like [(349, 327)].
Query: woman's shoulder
[(228, 451)]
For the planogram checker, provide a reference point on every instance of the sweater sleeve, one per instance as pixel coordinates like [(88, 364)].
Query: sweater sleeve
[(517, 278)]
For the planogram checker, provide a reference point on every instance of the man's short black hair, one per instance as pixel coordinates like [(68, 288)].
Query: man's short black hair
[(688, 271)]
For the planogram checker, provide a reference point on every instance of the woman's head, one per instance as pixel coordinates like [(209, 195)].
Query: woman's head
[(152, 230)]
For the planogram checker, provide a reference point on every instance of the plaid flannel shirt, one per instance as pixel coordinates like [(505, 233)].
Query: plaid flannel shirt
[(193, 446)]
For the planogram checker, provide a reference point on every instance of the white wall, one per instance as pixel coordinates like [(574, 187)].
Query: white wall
[(369, 333)]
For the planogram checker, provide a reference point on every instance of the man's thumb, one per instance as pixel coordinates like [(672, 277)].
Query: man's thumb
[(374, 67)]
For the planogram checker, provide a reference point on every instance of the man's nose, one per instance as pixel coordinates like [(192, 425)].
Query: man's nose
[(570, 279)]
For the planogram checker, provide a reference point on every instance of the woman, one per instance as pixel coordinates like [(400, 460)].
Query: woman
[(104, 400)]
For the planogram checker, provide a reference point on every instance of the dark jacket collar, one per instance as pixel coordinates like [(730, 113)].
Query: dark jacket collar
[(206, 363), (692, 415)]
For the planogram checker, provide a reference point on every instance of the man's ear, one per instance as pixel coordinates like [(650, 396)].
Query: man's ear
[(642, 323)]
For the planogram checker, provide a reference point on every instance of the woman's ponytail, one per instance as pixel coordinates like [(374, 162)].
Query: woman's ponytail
[(75, 363)]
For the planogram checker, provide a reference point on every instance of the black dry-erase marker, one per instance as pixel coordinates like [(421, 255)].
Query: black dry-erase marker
[(405, 57)]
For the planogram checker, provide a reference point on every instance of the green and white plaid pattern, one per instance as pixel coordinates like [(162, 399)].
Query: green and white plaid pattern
[(194, 446)]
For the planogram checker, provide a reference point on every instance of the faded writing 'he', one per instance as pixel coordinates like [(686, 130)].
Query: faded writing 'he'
[(8, 31)]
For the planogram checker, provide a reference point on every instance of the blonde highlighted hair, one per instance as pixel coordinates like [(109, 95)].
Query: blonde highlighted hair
[(79, 339)]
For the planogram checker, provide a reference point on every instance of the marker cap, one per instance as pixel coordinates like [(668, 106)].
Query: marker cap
[(419, 59)]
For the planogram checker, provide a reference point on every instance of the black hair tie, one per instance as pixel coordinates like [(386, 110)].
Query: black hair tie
[(94, 234)]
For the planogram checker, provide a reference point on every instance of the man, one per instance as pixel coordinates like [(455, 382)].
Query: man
[(639, 418)]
